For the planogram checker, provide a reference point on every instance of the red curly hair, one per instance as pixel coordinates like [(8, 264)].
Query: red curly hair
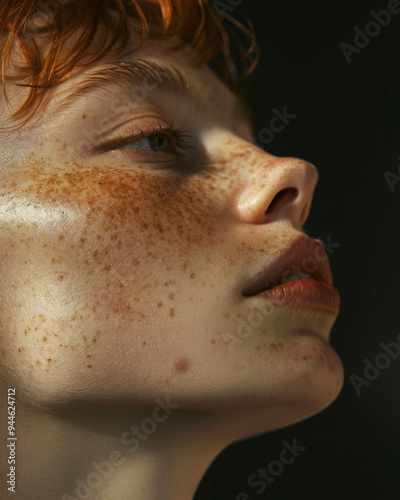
[(226, 42)]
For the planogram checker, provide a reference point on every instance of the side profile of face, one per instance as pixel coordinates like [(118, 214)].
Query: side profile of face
[(134, 213)]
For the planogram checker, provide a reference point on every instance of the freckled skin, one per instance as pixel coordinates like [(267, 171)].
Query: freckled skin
[(112, 268)]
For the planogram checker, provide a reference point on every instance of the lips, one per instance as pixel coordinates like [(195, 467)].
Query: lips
[(305, 258)]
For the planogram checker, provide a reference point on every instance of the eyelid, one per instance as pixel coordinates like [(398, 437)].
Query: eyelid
[(141, 129)]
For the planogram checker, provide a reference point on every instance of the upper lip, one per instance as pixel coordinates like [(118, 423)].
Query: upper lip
[(304, 254)]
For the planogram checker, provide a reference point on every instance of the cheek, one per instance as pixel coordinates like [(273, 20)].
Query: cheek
[(93, 266)]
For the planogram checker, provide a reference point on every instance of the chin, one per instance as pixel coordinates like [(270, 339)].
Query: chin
[(303, 389)]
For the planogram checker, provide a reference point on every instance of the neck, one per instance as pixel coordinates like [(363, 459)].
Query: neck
[(160, 453)]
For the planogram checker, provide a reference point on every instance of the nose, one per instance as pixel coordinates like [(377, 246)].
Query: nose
[(275, 188)]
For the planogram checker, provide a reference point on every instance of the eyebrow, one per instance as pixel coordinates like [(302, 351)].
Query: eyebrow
[(135, 79)]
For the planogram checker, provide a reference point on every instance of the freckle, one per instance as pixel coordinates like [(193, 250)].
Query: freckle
[(171, 296), (226, 315), (44, 339), (19, 349), (60, 345), (49, 360), (166, 381), (83, 116), (181, 365), (61, 277), (38, 362), (144, 342), (89, 366), (159, 304), (213, 341), (60, 237), (171, 312), (89, 356)]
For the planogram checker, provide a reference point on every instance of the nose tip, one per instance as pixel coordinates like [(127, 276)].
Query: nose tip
[(282, 189)]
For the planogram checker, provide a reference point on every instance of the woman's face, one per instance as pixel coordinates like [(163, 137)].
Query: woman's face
[(134, 214)]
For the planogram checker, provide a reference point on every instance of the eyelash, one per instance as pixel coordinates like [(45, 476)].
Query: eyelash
[(179, 138)]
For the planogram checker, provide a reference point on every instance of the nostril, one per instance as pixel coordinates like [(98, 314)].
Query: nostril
[(281, 199)]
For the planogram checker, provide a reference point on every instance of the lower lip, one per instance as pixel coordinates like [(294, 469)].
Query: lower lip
[(305, 293)]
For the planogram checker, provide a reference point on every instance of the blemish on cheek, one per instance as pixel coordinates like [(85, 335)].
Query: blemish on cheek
[(181, 365), (113, 299), (276, 347)]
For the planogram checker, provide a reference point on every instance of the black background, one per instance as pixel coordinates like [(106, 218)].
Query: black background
[(347, 124)]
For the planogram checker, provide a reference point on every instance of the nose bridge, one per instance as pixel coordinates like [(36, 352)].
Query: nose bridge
[(271, 187)]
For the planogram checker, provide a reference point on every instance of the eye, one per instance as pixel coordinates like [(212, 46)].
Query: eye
[(155, 144), (158, 143)]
